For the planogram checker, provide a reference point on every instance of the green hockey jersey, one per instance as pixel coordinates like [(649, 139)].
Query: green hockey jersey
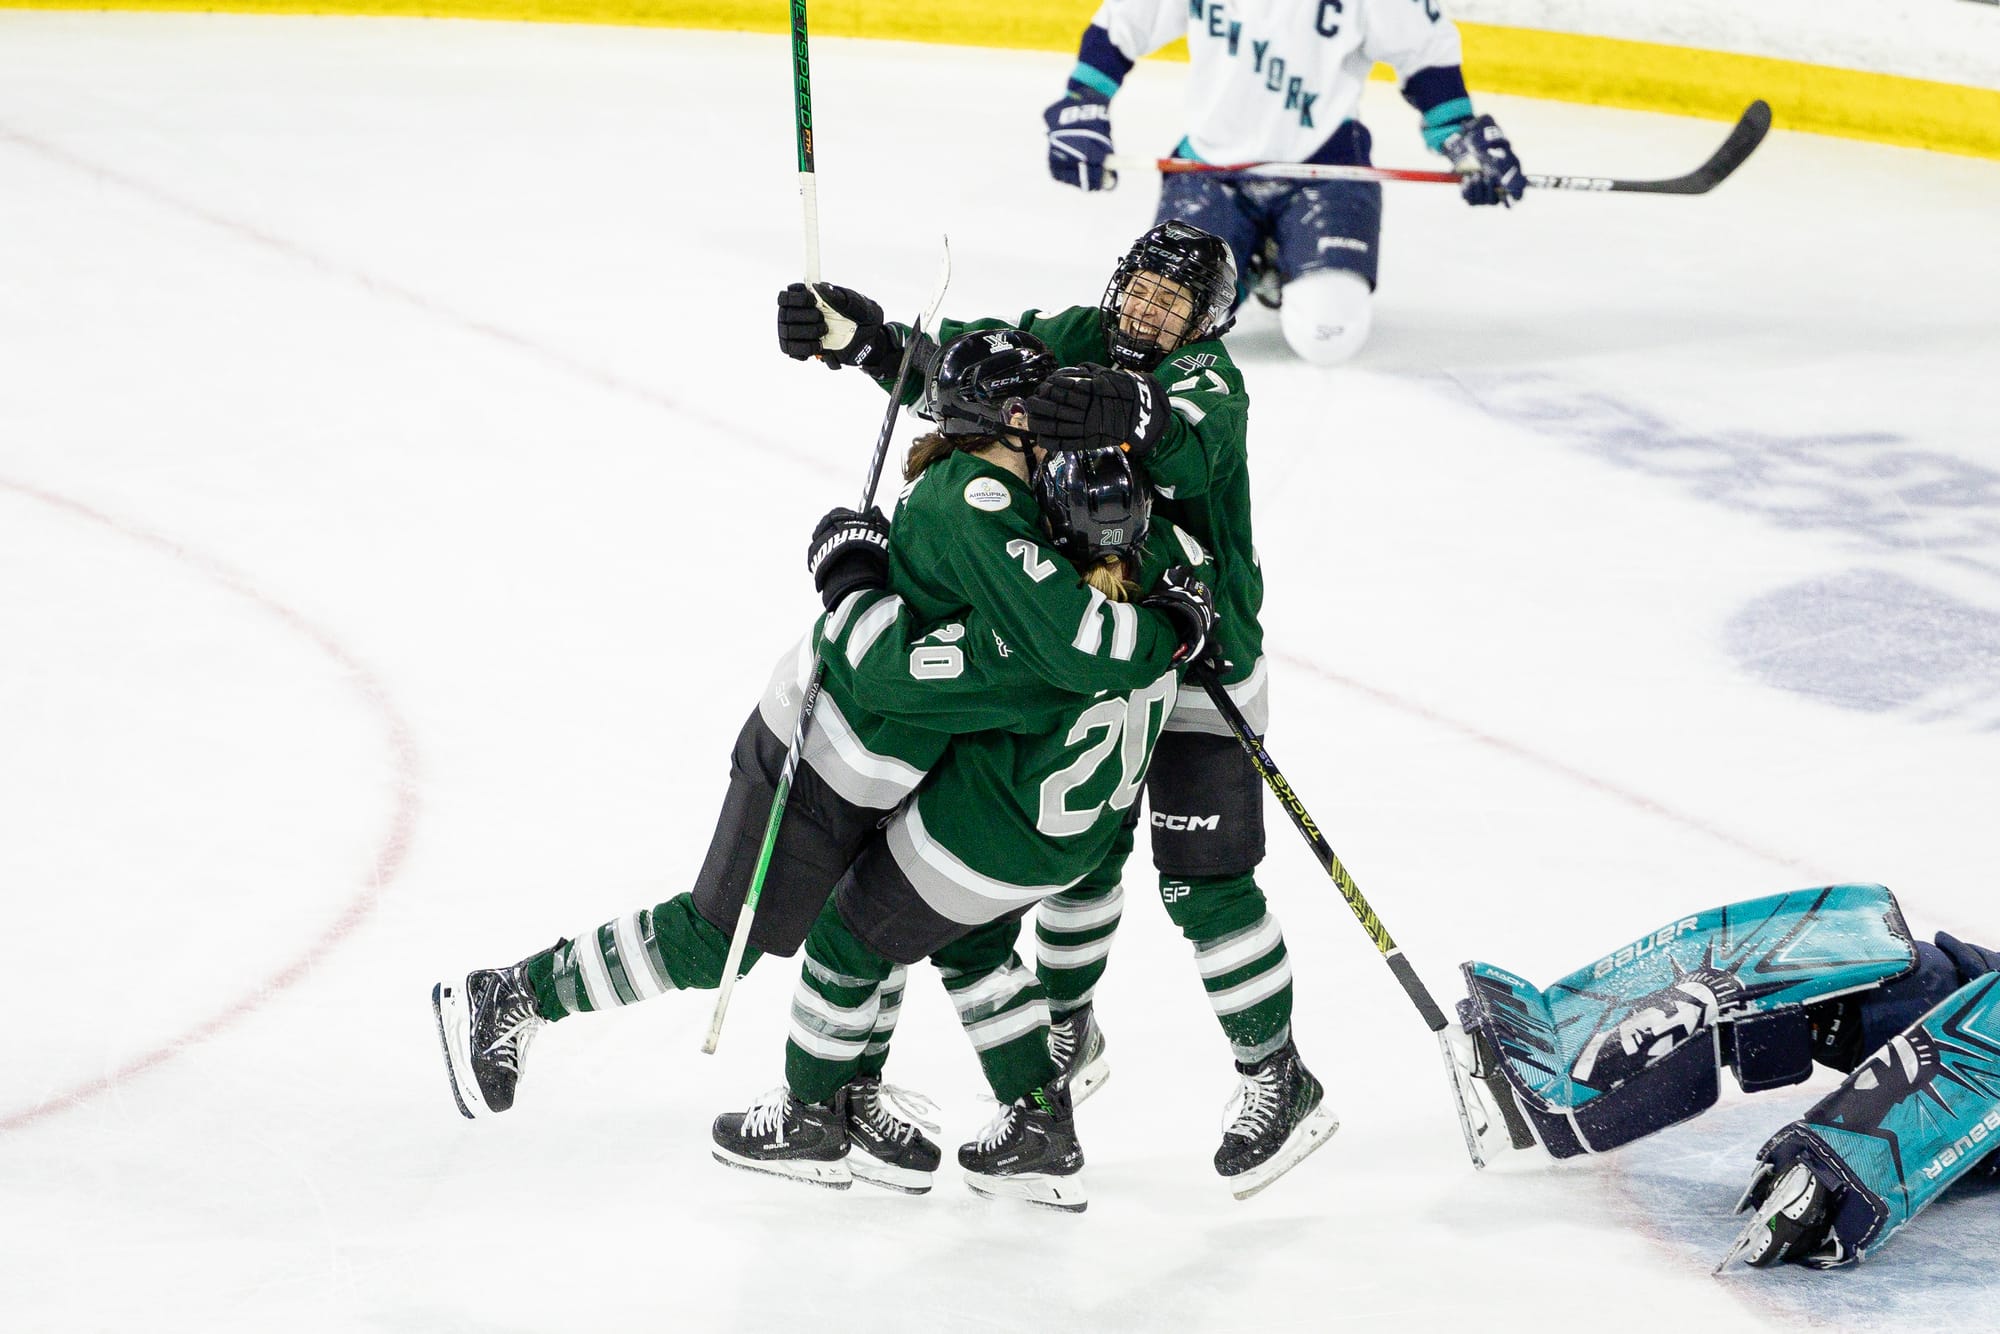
[(1029, 794), (1201, 471)]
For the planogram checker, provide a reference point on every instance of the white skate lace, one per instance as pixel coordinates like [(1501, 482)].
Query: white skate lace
[(899, 1112), (1249, 1110), (1064, 1035), (517, 1027), (767, 1114), (999, 1128)]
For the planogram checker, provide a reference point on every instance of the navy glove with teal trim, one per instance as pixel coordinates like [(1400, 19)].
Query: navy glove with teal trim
[(1479, 152), (1080, 140)]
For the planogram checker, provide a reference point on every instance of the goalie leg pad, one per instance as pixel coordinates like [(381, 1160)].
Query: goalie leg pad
[(1913, 1118), (1632, 1044)]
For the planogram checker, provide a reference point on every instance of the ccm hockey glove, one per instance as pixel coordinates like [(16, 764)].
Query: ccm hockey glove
[(1096, 407), (803, 328), (1080, 140), (1481, 154), (849, 551), (1186, 601)]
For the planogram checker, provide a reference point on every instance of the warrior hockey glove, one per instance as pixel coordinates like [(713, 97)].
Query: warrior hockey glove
[(1481, 154), (1186, 601), (1095, 407), (1080, 140), (803, 332), (849, 552)]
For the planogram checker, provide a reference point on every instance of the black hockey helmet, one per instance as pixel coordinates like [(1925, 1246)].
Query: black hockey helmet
[(1196, 261), (1096, 503), (979, 378)]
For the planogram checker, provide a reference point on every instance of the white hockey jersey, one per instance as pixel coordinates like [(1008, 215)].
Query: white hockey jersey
[(1273, 78)]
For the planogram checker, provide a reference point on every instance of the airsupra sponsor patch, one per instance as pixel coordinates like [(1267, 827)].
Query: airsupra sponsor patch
[(985, 493)]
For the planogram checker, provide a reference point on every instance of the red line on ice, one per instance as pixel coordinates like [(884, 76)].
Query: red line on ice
[(390, 853)]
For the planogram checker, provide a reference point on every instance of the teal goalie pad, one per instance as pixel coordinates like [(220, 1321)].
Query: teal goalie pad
[(1633, 1043), (1912, 1119)]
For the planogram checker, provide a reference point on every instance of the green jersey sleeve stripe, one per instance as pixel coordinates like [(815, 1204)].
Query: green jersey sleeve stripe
[(1124, 630), (870, 628), (1090, 633)]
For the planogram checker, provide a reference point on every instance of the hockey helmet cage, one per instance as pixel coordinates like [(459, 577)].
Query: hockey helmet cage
[(1193, 260), (1095, 502), (980, 376)]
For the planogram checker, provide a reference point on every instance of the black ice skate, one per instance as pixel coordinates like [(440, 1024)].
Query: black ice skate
[(485, 1026), (783, 1137), (1077, 1045), (1791, 1221), (885, 1148), (1281, 1117), (1029, 1152)]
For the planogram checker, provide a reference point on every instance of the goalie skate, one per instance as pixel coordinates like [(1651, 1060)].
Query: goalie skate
[(1281, 1117), (1790, 1222)]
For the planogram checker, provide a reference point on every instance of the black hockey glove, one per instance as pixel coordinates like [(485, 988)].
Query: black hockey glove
[(1093, 407), (849, 551), (1080, 140), (1481, 154), (1186, 601), (803, 331)]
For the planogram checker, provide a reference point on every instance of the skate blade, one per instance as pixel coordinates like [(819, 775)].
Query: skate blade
[(1782, 1196), (1089, 1079), (866, 1167), (832, 1176), (1063, 1194), (1310, 1135), (453, 1029)]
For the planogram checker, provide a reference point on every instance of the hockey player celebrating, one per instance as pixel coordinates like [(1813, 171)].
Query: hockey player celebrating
[(1281, 83), (1635, 1043), (856, 768), (1145, 370), (1017, 812)]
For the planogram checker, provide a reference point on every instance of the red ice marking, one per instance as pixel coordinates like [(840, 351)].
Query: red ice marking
[(1625, 796), (389, 854)]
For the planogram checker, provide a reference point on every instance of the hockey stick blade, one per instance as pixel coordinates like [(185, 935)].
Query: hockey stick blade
[(1735, 150)]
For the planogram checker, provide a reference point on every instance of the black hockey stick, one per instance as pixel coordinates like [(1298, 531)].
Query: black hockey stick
[(1744, 136), (739, 940), (1461, 1065)]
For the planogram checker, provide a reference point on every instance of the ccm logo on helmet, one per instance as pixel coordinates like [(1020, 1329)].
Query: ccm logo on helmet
[(1161, 820)]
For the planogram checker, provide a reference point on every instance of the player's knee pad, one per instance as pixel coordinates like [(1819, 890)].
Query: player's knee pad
[(1205, 907), (1327, 314), (1206, 806)]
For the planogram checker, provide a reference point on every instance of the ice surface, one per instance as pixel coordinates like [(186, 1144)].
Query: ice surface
[(400, 501)]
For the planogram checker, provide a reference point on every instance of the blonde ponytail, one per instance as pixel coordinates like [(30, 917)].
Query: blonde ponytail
[(1110, 577)]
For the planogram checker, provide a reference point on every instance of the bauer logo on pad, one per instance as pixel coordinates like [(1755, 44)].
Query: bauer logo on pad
[(984, 493)]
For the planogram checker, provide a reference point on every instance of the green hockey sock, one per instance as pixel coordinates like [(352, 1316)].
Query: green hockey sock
[(632, 958), (1239, 951), (1073, 932), (834, 1010)]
